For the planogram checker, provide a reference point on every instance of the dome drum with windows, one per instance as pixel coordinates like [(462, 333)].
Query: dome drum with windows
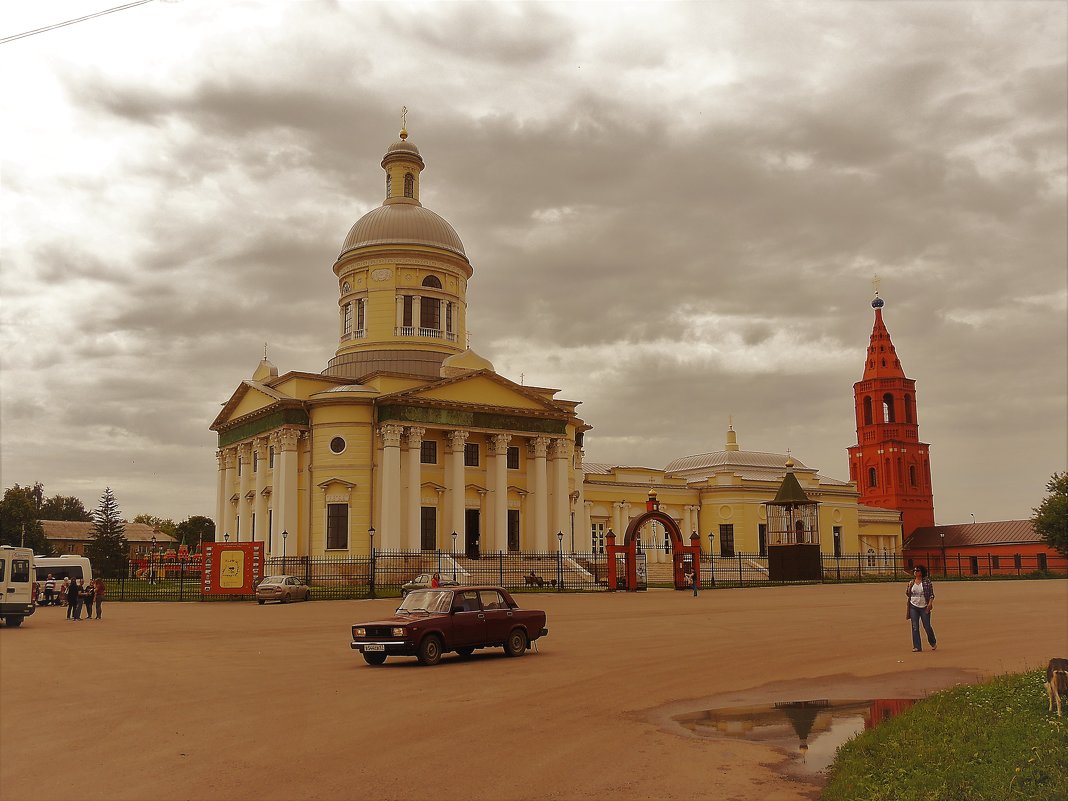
[(402, 275)]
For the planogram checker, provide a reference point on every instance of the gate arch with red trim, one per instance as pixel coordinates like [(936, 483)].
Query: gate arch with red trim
[(683, 556)]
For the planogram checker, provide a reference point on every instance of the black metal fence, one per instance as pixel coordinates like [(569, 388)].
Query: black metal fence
[(386, 572)]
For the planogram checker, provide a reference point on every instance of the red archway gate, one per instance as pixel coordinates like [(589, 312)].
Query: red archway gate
[(685, 557)]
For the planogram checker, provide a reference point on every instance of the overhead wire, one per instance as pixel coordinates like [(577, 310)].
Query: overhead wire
[(52, 27)]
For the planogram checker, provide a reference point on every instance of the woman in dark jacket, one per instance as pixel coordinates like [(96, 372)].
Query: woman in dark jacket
[(87, 598), (74, 599), (920, 595)]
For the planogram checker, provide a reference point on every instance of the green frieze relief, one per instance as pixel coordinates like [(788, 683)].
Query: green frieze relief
[(470, 419), (260, 425)]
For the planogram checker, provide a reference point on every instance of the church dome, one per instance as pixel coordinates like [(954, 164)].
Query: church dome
[(403, 224)]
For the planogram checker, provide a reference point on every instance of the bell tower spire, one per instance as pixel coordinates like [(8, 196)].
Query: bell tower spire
[(889, 464)]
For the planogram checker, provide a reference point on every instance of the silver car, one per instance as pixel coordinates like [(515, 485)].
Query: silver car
[(282, 589), (424, 581)]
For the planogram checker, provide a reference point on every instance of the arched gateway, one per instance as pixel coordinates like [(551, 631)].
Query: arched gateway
[(684, 557)]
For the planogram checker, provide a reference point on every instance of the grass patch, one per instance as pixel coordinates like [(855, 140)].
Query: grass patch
[(981, 742)]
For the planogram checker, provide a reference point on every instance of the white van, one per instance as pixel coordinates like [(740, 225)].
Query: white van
[(16, 584), (68, 566)]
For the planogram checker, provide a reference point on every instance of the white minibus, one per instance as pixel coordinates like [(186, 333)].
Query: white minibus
[(16, 584)]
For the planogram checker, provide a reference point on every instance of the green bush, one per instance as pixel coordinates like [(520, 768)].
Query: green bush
[(982, 742)]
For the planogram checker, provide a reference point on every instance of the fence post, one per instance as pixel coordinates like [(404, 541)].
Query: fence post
[(740, 580), (960, 570), (712, 565), (500, 566), (372, 576), (181, 580)]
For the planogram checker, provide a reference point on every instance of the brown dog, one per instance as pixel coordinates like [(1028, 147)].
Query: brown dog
[(1057, 683)]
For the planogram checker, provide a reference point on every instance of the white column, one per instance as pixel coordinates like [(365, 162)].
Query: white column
[(441, 316), (284, 491), (498, 539), (400, 310), (417, 313), (415, 487), (587, 524), (454, 485), (259, 503), (221, 498), (561, 498), (230, 510), (539, 495), (243, 528), (389, 479)]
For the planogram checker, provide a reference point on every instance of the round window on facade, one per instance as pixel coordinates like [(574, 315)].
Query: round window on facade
[(337, 444)]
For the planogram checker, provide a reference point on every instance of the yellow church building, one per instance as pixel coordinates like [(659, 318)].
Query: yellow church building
[(410, 441)]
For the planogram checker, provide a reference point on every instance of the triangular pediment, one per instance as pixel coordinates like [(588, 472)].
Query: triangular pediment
[(483, 389), (250, 397)]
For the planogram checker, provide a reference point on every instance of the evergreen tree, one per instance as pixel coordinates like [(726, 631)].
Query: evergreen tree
[(65, 507), (108, 549), (1051, 516), (20, 522)]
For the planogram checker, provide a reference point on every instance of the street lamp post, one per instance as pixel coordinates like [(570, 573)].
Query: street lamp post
[(152, 562), (945, 567), (371, 537), (284, 535), (711, 558), (560, 561), (452, 554), (226, 537)]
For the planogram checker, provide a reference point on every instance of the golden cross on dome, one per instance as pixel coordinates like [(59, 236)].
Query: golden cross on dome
[(265, 351), (404, 113), (875, 281), (469, 340)]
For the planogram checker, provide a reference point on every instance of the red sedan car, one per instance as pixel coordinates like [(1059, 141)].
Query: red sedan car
[(432, 622)]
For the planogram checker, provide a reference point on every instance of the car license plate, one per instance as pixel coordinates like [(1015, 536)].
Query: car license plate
[(374, 646)]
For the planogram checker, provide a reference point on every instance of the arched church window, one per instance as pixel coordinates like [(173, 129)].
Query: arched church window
[(409, 185), (912, 474), (888, 409), (908, 408), (867, 410), (345, 288), (873, 478), (432, 281)]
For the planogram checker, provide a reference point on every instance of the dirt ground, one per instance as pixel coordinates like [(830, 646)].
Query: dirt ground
[(238, 701)]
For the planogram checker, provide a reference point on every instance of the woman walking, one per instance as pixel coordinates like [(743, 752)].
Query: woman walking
[(920, 594)]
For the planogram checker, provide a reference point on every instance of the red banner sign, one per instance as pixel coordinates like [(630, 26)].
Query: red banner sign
[(231, 568)]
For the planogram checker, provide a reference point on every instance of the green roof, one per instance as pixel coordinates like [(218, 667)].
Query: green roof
[(790, 491)]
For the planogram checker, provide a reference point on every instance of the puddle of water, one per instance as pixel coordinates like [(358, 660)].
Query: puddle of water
[(811, 731)]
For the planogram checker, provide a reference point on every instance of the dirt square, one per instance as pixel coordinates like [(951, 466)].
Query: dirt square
[(238, 701)]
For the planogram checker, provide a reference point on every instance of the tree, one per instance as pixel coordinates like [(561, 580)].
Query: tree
[(1051, 516), (64, 507), (194, 530), (107, 547), (20, 523), (166, 525)]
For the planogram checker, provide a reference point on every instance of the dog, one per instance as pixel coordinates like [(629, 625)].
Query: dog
[(1057, 683)]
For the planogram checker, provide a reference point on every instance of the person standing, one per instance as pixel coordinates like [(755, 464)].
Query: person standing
[(88, 591), (695, 581), (49, 590), (98, 595), (435, 580), (74, 599), (920, 594)]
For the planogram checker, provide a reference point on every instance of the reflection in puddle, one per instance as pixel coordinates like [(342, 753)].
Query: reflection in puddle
[(811, 730)]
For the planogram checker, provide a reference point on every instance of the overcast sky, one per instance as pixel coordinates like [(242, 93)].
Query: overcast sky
[(673, 210)]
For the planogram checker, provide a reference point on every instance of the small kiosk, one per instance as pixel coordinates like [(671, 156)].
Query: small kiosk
[(793, 533)]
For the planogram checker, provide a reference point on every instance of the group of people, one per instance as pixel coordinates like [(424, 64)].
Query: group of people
[(76, 595)]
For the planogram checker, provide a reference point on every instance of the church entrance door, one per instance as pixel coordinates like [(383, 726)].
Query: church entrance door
[(471, 533)]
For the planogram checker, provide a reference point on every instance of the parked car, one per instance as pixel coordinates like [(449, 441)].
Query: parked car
[(432, 622), (423, 581), (282, 589)]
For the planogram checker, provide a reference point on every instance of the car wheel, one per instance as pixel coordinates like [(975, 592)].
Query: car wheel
[(376, 658), (516, 644), (13, 621), (465, 652), (307, 595), (260, 601), (404, 593), (430, 650), (284, 599)]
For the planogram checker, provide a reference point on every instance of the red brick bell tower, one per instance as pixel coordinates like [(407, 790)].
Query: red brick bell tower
[(890, 465)]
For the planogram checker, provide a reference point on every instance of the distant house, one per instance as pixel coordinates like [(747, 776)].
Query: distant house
[(71, 536), (1007, 547)]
